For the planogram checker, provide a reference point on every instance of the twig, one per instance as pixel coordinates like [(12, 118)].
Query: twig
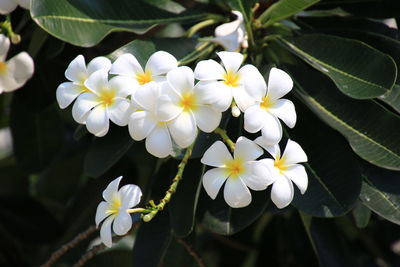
[(191, 251), (226, 138), (63, 249), (89, 255)]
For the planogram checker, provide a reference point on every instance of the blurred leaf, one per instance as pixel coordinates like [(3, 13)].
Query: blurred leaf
[(178, 256), (152, 241), (117, 257), (284, 9), (222, 219), (182, 208), (370, 128), (358, 70), (85, 23), (104, 152), (361, 215), (332, 190)]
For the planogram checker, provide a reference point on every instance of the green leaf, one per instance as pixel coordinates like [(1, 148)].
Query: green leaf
[(361, 215), (331, 191), (284, 9), (104, 152), (85, 23), (182, 208), (371, 130), (357, 69), (115, 257)]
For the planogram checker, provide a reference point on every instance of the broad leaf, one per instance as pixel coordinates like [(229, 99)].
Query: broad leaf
[(361, 215), (371, 130), (85, 22), (357, 69), (284, 9)]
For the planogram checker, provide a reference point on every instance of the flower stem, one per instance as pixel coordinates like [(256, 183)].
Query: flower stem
[(226, 138), (172, 188), (137, 210), (6, 28), (195, 28)]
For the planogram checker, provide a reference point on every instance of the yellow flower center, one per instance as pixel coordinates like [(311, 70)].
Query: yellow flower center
[(84, 89), (188, 101), (231, 79), (280, 164), (144, 78), (107, 97), (114, 205), (3, 67), (266, 103), (235, 167)]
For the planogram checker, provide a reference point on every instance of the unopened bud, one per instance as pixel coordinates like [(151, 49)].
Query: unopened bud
[(235, 111), (15, 38)]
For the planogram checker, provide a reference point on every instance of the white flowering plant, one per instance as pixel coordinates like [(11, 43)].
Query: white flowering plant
[(208, 133)]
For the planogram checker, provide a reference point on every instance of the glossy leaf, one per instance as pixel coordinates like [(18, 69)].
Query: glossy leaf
[(357, 69), (85, 23), (361, 215), (284, 9), (371, 130)]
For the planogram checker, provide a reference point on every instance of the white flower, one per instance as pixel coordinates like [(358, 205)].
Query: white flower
[(105, 101), (183, 107), (77, 73), (144, 123), (157, 66), (283, 171), (116, 208), (16, 71), (264, 114), (231, 35), (236, 171), (7, 6), (220, 84)]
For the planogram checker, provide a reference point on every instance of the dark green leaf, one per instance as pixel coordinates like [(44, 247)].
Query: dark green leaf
[(114, 257), (357, 69), (370, 128), (361, 215), (85, 23), (385, 180)]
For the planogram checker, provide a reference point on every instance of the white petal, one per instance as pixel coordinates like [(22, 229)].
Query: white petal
[(215, 93), (208, 70), (105, 231), (231, 60), (246, 150), (253, 119), (273, 150), (97, 81), (4, 43), (207, 119), (98, 63), (21, 67), (7, 6), (124, 86), (130, 195), (213, 180), (279, 83), (97, 121), (101, 212), (161, 62), (122, 223), (76, 70), (159, 143), (141, 123), (236, 193), (119, 112), (282, 192), (294, 153), (181, 79), (146, 96), (262, 170), (242, 98), (83, 104), (272, 130), (229, 35), (112, 189), (126, 65), (168, 106), (298, 175), (8, 83), (24, 3), (183, 129), (216, 155), (255, 182), (284, 109), (66, 93), (253, 81)]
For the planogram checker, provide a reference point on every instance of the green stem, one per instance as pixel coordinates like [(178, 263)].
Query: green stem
[(226, 138), (195, 28), (172, 188), (200, 51), (6, 28)]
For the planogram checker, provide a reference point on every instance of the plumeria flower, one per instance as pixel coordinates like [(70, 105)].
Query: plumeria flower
[(77, 73), (282, 171), (157, 66), (231, 35), (7, 6), (222, 84), (183, 107), (16, 71), (116, 208), (236, 171), (105, 101), (264, 114), (145, 123)]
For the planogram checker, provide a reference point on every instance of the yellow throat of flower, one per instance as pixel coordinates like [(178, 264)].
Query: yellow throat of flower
[(235, 168), (114, 205), (188, 101), (280, 164), (231, 79), (266, 103), (144, 77), (3, 67), (107, 97)]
